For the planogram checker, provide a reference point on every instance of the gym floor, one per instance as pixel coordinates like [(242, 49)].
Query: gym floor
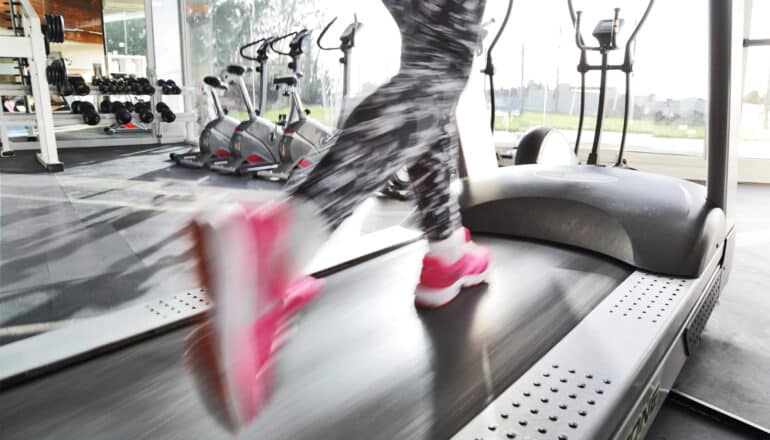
[(108, 233)]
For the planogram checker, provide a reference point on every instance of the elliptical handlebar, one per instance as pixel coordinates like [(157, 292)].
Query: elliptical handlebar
[(628, 61), (578, 36), (489, 68), (575, 16)]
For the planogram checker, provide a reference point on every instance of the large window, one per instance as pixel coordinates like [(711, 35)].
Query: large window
[(537, 82), (216, 29), (755, 114), (125, 36)]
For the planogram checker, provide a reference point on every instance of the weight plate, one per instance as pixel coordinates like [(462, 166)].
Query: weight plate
[(57, 80), (63, 71), (60, 24), (47, 27)]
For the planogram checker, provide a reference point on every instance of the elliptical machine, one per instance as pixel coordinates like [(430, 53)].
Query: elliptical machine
[(214, 142), (605, 32), (255, 140)]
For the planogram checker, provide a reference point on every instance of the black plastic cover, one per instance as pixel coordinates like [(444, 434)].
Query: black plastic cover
[(235, 69), (654, 223)]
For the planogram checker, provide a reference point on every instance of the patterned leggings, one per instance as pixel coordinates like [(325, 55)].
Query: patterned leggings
[(409, 121)]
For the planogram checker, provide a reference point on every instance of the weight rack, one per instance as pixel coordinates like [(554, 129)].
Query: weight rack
[(31, 46)]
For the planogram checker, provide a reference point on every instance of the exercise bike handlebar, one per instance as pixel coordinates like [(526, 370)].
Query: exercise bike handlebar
[(347, 40), (295, 46), (281, 38), (323, 32), (264, 44)]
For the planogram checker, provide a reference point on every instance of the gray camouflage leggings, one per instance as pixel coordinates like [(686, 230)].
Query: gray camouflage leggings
[(409, 121)]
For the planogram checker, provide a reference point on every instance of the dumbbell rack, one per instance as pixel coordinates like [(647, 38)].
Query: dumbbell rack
[(32, 47)]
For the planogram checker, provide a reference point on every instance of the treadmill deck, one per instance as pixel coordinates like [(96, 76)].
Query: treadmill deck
[(364, 363)]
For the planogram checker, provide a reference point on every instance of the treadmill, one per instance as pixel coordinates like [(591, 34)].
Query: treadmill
[(602, 280)]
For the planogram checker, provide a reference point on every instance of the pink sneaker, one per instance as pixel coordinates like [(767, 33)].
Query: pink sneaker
[(441, 282), (246, 264)]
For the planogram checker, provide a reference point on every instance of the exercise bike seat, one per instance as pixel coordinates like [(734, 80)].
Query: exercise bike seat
[(235, 69), (289, 80), (214, 82)]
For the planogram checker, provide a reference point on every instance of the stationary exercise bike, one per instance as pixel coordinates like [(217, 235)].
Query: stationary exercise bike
[(305, 139), (532, 144), (214, 142), (254, 143)]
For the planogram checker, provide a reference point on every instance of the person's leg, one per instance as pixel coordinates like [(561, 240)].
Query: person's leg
[(453, 262), (378, 137), (256, 252), (430, 178)]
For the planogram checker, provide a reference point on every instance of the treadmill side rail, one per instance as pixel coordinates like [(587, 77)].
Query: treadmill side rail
[(608, 377)]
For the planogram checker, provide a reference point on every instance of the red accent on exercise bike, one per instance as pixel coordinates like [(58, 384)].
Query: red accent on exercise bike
[(255, 159), (288, 131), (304, 163), (222, 153)]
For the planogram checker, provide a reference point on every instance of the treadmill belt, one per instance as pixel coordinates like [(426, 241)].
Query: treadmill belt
[(364, 362)]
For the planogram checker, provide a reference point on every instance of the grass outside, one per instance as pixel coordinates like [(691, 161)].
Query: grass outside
[(568, 122), (528, 120), (317, 112)]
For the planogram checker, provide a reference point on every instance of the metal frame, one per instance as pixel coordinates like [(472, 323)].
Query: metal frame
[(691, 403), (190, 135), (608, 377), (32, 47), (724, 102)]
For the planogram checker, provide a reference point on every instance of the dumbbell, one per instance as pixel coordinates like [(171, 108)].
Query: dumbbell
[(121, 114), (166, 115), (147, 88), (144, 111), (90, 116), (102, 84), (79, 85), (135, 86), (129, 106), (169, 87), (104, 106)]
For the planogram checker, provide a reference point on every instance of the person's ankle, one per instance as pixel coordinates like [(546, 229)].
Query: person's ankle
[(449, 249), (310, 230)]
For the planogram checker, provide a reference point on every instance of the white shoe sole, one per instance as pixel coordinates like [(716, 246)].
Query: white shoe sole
[(234, 282), (432, 298)]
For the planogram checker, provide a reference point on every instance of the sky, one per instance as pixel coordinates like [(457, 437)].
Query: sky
[(671, 48)]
